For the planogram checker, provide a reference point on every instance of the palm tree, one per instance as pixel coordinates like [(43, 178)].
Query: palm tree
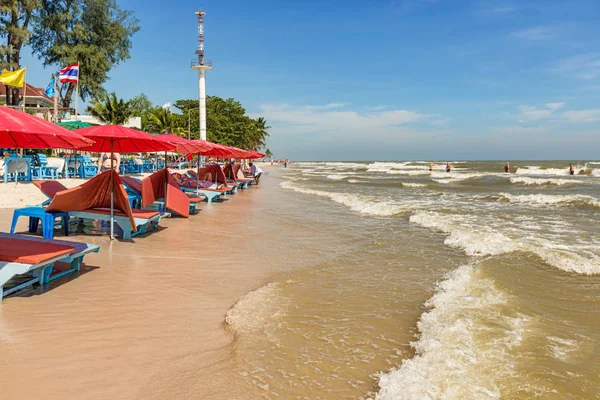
[(261, 134), (161, 121), (268, 153), (110, 110)]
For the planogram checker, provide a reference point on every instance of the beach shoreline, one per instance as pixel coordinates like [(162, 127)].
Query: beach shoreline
[(143, 320)]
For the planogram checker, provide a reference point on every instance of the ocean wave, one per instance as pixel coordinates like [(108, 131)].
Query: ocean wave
[(537, 170), (474, 242), (413, 185), (408, 172), (357, 181), (363, 205), (544, 181), (458, 356), (552, 199), (487, 241), (256, 309), (340, 176)]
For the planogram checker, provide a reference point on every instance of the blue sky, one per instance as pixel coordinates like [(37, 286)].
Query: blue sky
[(393, 79)]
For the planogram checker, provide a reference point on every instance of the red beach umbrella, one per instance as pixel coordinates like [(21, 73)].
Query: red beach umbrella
[(216, 150), (116, 138), (254, 154), (25, 131), (119, 139), (183, 145)]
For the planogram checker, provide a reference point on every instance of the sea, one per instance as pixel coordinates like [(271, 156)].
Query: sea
[(403, 283)]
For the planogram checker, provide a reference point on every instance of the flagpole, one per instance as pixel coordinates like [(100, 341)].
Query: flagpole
[(55, 99), (77, 96), (24, 86)]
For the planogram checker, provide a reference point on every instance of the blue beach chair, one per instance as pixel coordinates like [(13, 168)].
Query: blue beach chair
[(36, 264)]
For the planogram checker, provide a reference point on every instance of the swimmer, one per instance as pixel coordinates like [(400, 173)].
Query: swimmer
[(430, 166), (507, 167), (571, 169), (448, 167)]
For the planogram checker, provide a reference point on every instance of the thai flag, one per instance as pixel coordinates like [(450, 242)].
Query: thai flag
[(69, 74)]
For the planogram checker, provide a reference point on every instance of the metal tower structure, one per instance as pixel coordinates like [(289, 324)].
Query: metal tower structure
[(202, 66)]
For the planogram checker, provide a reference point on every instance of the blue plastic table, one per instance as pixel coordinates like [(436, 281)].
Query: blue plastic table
[(37, 214), (10, 159)]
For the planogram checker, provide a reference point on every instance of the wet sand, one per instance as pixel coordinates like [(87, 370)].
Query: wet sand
[(143, 320)]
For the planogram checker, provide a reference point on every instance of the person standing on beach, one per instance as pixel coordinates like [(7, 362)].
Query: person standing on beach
[(571, 169), (507, 167), (255, 171), (104, 162), (448, 167)]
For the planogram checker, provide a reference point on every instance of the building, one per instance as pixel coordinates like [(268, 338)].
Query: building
[(34, 97), (133, 122)]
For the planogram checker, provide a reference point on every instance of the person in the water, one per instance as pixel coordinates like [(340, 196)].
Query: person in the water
[(430, 166), (448, 167), (507, 167), (571, 169)]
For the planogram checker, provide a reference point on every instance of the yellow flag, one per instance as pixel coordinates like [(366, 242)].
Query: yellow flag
[(13, 78)]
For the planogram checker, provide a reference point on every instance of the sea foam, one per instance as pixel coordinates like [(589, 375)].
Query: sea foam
[(363, 205), (457, 355), (256, 309), (544, 181), (487, 241), (552, 199)]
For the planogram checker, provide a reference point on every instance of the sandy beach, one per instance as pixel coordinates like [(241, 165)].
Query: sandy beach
[(143, 320)]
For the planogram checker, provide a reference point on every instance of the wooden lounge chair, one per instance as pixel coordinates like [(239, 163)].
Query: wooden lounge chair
[(36, 257), (91, 201)]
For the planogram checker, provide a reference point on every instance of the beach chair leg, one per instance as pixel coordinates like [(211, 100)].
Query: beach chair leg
[(126, 232), (76, 263), (33, 224), (48, 226), (1, 293), (13, 225), (66, 224), (41, 273)]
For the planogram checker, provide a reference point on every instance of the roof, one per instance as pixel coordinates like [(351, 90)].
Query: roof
[(31, 91)]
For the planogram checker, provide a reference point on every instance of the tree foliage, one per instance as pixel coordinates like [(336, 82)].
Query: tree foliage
[(16, 18), (161, 120), (110, 109), (227, 122), (95, 33)]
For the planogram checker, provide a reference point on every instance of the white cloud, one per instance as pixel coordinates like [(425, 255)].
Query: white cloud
[(321, 118), (327, 106), (581, 116), (531, 113), (555, 106), (517, 129), (583, 66), (441, 122), (535, 34)]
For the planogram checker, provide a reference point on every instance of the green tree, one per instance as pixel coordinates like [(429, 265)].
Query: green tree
[(161, 120), (268, 153), (260, 137), (140, 105), (95, 33), (16, 17), (189, 118), (110, 109)]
